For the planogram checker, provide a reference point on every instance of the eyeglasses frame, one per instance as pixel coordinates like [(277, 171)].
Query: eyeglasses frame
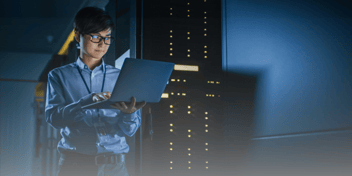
[(100, 38)]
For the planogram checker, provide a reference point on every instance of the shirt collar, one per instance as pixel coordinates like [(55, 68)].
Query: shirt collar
[(83, 66)]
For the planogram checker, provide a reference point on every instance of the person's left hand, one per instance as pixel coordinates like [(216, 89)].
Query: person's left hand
[(131, 108)]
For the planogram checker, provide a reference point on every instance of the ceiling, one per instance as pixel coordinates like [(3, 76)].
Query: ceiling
[(38, 26)]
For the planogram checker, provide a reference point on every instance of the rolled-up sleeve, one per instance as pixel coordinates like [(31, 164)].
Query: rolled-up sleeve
[(129, 123), (57, 113)]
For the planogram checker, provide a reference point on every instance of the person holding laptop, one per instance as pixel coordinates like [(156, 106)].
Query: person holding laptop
[(93, 140)]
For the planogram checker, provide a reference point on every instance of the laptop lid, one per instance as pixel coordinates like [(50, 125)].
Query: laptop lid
[(143, 79)]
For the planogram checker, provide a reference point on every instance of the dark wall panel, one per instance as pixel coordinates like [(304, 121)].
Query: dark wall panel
[(299, 53), (303, 51)]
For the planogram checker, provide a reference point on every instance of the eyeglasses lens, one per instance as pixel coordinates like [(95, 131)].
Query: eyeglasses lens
[(97, 39)]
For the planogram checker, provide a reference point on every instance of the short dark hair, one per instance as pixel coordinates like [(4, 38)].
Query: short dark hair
[(92, 20)]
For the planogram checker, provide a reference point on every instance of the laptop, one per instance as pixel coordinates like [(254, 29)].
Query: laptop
[(143, 79)]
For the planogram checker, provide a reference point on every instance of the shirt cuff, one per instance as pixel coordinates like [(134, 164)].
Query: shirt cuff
[(131, 115), (86, 100)]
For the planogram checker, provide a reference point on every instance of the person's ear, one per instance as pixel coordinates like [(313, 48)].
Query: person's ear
[(77, 36)]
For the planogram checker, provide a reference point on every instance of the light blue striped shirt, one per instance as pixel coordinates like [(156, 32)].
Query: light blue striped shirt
[(67, 93)]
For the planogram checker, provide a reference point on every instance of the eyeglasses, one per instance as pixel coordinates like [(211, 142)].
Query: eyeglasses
[(97, 39)]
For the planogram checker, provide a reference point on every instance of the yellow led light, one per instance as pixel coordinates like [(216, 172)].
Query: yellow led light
[(171, 162), (189, 148), (206, 162), (170, 49), (171, 149), (217, 82), (213, 95), (183, 94), (205, 22), (188, 55), (170, 43), (189, 167), (206, 118), (187, 3), (205, 12), (189, 131), (171, 143), (188, 33), (165, 95), (189, 162), (212, 82), (205, 46), (189, 154), (205, 17), (205, 57), (170, 167), (170, 36), (206, 113), (171, 106), (205, 29), (187, 10), (189, 107), (189, 112), (187, 15), (206, 143), (171, 124), (170, 54), (189, 50), (178, 94), (188, 38), (170, 13), (206, 125), (172, 93), (206, 131), (218, 95), (205, 0), (186, 67), (206, 149), (170, 8), (205, 51), (170, 31), (184, 80), (205, 34), (189, 135), (171, 112), (206, 95), (206, 167), (178, 80), (171, 130)]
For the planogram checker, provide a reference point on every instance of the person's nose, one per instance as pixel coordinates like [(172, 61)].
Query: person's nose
[(101, 43)]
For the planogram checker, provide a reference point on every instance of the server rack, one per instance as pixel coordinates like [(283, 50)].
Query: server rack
[(185, 129)]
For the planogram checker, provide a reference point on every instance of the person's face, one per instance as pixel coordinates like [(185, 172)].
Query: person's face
[(90, 49)]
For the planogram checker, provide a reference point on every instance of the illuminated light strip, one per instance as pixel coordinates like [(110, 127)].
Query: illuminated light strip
[(64, 48), (180, 67), (165, 95)]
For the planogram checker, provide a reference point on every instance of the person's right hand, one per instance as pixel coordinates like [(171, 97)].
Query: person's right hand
[(101, 96)]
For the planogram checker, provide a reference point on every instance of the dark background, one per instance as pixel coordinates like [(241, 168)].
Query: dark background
[(291, 113)]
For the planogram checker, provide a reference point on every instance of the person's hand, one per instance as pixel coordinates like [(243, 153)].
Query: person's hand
[(131, 108), (101, 96)]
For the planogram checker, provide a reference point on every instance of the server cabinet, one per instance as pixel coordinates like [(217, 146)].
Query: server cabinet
[(182, 132)]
